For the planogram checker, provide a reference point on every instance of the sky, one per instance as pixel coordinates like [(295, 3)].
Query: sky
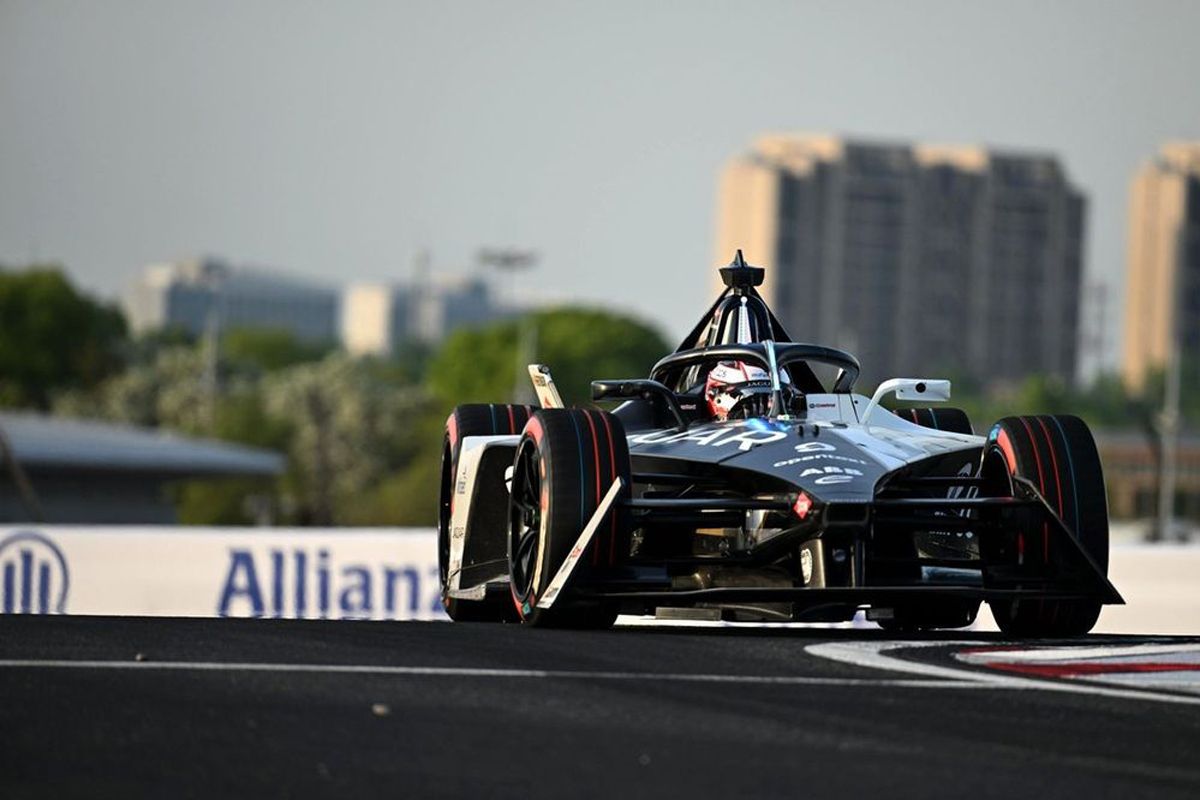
[(336, 140)]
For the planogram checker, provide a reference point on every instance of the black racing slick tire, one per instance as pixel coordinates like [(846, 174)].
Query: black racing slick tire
[(1057, 455), (953, 420), (478, 419), (565, 464)]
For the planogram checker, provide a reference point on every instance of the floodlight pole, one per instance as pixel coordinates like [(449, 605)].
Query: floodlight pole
[(1168, 425), (512, 260)]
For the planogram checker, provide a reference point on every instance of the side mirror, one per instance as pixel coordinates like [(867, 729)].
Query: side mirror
[(932, 391), (640, 389)]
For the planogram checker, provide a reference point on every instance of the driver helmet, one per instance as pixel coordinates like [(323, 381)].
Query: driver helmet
[(737, 390)]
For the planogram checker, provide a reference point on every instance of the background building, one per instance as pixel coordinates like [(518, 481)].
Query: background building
[(377, 317), (915, 258), (1163, 282), (60, 470), (186, 294)]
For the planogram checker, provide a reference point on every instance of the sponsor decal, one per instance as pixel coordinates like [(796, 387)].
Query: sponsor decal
[(831, 471), (34, 578), (829, 480), (831, 475), (818, 456), (806, 565), (303, 584), (955, 493), (815, 447), (822, 405), (964, 492), (744, 438)]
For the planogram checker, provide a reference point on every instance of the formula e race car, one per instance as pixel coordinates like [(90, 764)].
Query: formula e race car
[(736, 483)]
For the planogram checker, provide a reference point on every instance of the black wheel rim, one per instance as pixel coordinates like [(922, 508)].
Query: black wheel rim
[(524, 519)]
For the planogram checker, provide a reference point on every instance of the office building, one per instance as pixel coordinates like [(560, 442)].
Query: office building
[(919, 259), (376, 317), (1162, 287), (192, 295)]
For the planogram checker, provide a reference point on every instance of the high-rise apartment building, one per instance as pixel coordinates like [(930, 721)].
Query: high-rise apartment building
[(1163, 281), (916, 258), (192, 295)]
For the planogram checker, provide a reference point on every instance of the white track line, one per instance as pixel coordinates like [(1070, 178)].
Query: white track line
[(480, 672), (871, 655)]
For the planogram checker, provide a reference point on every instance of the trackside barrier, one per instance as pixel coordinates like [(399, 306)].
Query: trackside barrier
[(306, 573), (381, 573)]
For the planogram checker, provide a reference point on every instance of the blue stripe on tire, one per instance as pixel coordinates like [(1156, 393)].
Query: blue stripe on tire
[(1071, 467)]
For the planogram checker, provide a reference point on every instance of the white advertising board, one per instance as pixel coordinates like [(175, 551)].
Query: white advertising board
[(305, 573), (380, 573)]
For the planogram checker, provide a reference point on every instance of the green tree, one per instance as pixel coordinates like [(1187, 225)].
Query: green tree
[(269, 349), (53, 337), (350, 431), (240, 417), (580, 345), (169, 391)]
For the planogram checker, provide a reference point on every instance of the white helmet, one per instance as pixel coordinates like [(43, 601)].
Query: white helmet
[(738, 390)]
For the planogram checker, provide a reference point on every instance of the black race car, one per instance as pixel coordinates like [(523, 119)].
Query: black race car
[(746, 480)]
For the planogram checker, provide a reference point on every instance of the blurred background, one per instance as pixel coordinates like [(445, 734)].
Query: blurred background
[(253, 253)]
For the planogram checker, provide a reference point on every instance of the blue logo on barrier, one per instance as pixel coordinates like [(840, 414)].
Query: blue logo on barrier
[(33, 575), (299, 583)]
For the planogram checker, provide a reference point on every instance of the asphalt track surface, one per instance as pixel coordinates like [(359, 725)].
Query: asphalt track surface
[(99, 707)]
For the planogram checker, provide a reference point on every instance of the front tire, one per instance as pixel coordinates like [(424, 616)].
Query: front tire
[(476, 419), (1058, 455), (566, 462)]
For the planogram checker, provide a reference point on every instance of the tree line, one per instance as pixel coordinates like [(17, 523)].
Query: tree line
[(362, 435)]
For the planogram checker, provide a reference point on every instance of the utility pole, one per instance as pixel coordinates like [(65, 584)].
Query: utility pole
[(512, 261), (1168, 422)]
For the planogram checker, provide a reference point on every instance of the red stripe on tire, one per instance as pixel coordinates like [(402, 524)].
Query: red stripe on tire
[(512, 423), (1041, 486), (1054, 460), (1055, 607)]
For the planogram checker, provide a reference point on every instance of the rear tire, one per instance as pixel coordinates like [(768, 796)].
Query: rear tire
[(477, 419), (565, 464), (953, 420), (949, 613), (1058, 455)]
